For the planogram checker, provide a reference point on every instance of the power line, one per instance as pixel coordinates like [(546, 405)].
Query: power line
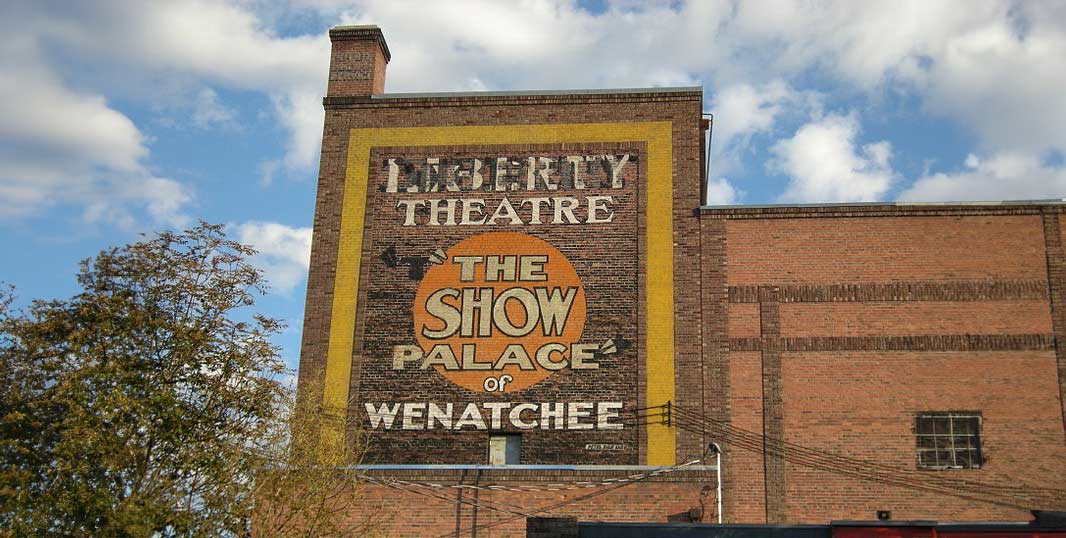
[(694, 421), (953, 482), (731, 430), (577, 499), (455, 501), (758, 442), (861, 469), (555, 486)]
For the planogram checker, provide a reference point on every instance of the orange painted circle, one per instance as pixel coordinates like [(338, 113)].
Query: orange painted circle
[(443, 290)]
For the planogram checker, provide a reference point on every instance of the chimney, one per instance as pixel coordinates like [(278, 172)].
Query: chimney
[(357, 61)]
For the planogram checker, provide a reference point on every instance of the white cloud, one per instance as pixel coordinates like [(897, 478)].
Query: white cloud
[(44, 116), (300, 111), (984, 63), (721, 192), (866, 43), (1005, 176), (284, 251), (741, 110), (1005, 78), (208, 112), (825, 165), (538, 45), (155, 47), (995, 67), (65, 147)]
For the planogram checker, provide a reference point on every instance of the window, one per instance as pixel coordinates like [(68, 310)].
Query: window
[(504, 449), (949, 440)]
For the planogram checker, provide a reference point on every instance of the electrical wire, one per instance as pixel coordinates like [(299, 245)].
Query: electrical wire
[(861, 476), (695, 422), (940, 479), (457, 501), (887, 468), (559, 486), (562, 504), (836, 462), (689, 420)]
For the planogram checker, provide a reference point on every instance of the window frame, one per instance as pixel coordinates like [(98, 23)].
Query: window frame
[(508, 438), (937, 442)]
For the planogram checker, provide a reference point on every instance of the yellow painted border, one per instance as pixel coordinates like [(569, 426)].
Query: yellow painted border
[(659, 268)]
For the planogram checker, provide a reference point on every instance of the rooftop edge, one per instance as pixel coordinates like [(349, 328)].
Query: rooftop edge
[(361, 32), (521, 93), (989, 203)]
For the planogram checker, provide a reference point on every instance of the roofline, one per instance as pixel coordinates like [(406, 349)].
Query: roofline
[(515, 467), (883, 209), (522, 93), (1046, 201), (360, 32), (992, 526), (522, 97)]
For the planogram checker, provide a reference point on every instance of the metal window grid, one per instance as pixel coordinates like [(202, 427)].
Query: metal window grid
[(948, 440)]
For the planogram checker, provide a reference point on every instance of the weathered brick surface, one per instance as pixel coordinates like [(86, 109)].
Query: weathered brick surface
[(884, 312), (1054, 232), (411, 510), (716, 369), (862, 405), (357, 61), (824, 326), (915, 317), (486, 513), (382, 293), (851, 250), (744, 320), (390, 293), (742, 468)]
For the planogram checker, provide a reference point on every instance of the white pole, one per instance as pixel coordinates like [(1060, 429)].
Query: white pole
[(718, 471)]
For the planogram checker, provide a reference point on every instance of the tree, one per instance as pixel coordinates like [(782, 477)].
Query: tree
[(149, 403), (310, 486)]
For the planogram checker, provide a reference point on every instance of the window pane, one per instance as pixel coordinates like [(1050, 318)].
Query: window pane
[(943, 442), (942, 425), (962, 458), (948, 439), (514, 449), (965, 425), (947, 458), (927, 458), (963, 441), (504, 449), (923, 426)]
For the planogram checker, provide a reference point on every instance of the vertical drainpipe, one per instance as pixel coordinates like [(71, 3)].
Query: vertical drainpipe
[(718, 472), (706, 126)]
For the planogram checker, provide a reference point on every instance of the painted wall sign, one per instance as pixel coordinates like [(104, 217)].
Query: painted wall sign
[(499, 291), (612, 447), (492, 415), (518, 180), (499, 312), (496, 307)]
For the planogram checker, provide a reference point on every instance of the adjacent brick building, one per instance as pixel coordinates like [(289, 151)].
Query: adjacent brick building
[(529, 278)]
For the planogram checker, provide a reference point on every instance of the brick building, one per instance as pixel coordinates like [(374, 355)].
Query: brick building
[(529, 280)]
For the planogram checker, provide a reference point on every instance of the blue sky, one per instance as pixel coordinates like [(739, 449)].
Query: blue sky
[(121, 118)]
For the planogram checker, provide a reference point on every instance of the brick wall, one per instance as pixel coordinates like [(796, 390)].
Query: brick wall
[(614, 254), (417, 512), (609, 315), (845, 322), (827, 327)]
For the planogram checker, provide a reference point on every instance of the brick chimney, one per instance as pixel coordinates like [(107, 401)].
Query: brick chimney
[(357, 61)]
